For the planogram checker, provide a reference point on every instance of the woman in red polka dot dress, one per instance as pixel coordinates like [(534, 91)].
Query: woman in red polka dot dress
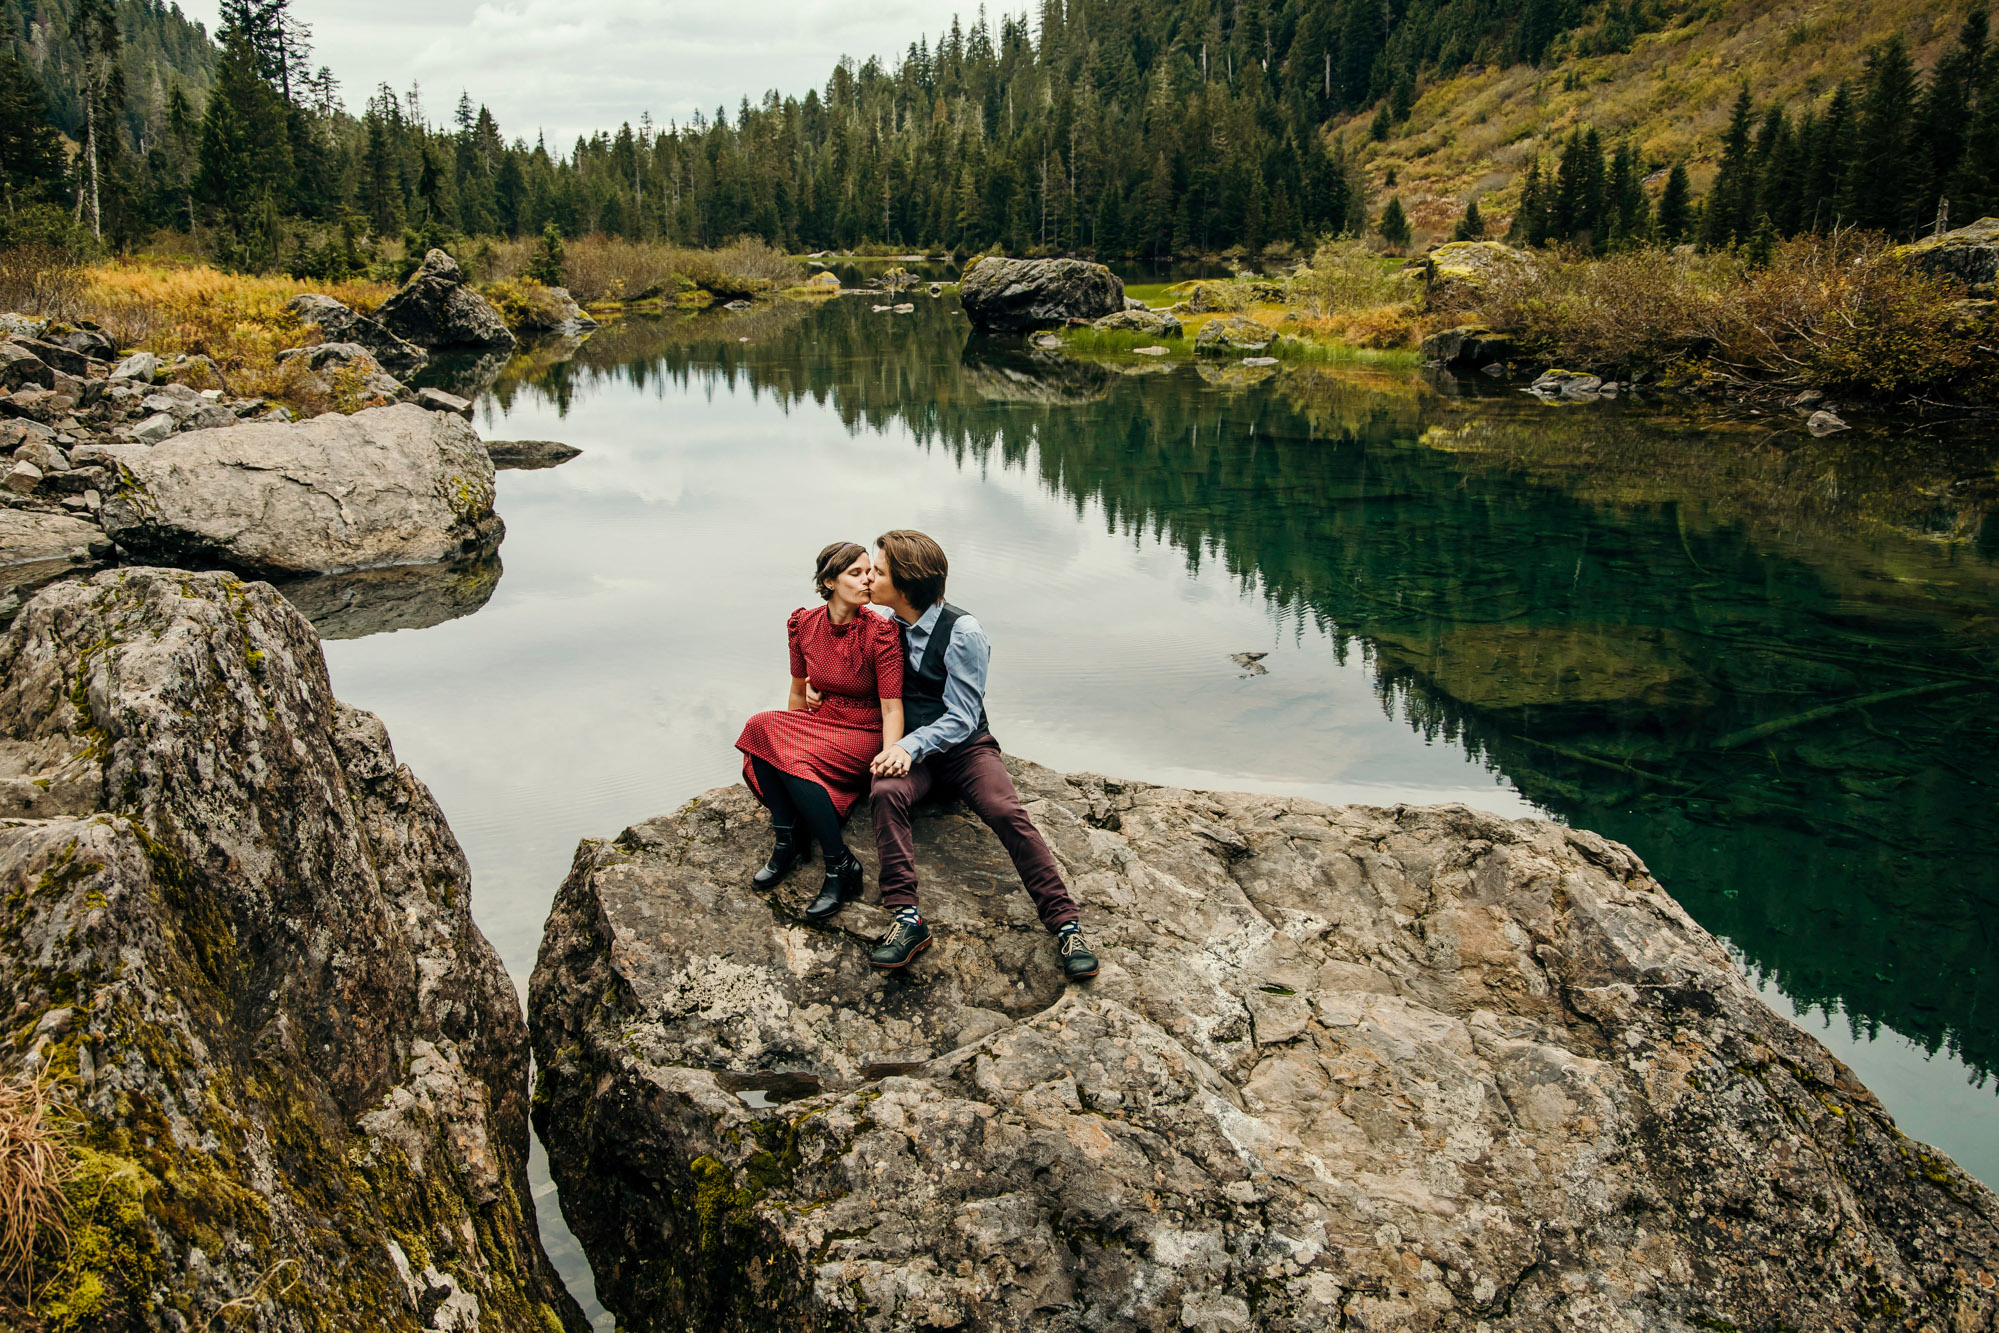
[(809, 767)]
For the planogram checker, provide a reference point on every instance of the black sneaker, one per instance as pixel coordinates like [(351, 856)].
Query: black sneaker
[(901, 944), (789, 851), (1077, 960), (844, 881)]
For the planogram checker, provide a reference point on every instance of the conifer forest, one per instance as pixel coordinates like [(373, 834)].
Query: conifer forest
[(1108, 128)]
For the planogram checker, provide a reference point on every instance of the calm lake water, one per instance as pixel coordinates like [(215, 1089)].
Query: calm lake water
[(1765, 662)]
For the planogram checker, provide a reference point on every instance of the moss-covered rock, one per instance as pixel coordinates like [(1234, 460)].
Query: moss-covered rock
[(1343, 1067), (1969, 254), (293, 1069)]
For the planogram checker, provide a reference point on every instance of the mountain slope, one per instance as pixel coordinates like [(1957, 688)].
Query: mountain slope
[(1473, 134)]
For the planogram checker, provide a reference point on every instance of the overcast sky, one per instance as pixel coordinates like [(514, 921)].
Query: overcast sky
[(567, 67)]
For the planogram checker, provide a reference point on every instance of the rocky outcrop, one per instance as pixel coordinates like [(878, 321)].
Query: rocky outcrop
[(1463, 269), (436, 308), (1969, 254), (1409, 1068), (1151, 323), (1014, 295), (337, 323), (237, 935), (1233, 335), (389, 486), (1468, 347)]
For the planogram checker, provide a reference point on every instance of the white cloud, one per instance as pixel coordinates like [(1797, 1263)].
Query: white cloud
[(568, 69)]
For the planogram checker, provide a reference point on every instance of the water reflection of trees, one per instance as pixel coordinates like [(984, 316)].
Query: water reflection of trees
[(1653, 630)]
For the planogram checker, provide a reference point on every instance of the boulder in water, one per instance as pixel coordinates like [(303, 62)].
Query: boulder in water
[(389, 486), (1152, 323), (1014, 295), (1232, 336), (1468, 347), (239, 938), (529, 455), (436, 308), (1402, 1068)]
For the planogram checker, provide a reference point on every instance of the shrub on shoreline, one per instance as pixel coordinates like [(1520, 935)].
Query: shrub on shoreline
[(1843, 312)]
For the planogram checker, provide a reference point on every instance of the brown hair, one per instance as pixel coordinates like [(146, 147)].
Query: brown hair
[(833, 561), (916, 564)]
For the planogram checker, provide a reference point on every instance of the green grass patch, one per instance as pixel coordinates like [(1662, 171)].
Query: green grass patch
[(1122, 343), (1152, 293)]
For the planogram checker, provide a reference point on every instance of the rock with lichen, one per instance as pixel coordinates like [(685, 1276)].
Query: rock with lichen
[(236, 934), (1408, 1068)]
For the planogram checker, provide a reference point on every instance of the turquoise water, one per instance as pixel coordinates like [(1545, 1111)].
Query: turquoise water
[(1765, 662)]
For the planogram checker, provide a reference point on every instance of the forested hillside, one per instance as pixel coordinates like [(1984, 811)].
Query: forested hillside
[(1095, 126)]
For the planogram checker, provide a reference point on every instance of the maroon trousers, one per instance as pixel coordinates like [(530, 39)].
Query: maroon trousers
[(975, 772)]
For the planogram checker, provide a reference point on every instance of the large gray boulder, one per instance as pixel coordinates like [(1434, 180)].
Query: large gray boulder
[(1013, 295), (339, 324), (361, 369), (436, 308), (238, 935), (388, 486), (1409, 1068), (1969, 254)]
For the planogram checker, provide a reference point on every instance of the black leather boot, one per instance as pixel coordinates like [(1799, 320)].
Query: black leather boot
[(789, 851), (845, 878)]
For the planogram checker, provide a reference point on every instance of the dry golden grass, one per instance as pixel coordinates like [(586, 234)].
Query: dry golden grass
[(34, 1163), (236, 320), (604, 270), (1670, 94)]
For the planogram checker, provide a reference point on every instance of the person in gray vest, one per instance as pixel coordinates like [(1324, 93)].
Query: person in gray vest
[(948, 747)]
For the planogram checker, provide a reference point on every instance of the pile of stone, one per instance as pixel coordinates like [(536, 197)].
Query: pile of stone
[(102, 457)]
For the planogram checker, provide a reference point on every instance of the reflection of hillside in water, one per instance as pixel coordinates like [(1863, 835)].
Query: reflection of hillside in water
[(1746, 659)]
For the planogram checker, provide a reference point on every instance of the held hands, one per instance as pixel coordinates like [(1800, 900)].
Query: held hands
[(890, 763)]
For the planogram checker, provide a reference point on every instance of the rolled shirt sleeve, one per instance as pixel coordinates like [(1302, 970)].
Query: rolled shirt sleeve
[(966, 659)]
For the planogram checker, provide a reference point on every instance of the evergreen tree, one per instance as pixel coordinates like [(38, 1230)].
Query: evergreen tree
[(1762, 243), (1947, 111), (245, 166), (1676, 206), (1394, 224), (30, 157), (1730, 204), (1975, 188), (1471, 227), (549, 263), (1821, 204), (1531, 218), (1624, 198), (1880, 186)]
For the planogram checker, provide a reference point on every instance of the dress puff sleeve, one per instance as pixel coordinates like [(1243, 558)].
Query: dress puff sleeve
[(888, 657), (791, 627)]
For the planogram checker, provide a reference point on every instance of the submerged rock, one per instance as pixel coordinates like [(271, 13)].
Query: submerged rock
[(389, 486), (1014, 295), (528, 455), (238, 935), (436, 308), (1343, 1067)]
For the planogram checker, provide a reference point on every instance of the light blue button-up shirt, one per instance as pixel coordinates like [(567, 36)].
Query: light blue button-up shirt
[(966, 658)]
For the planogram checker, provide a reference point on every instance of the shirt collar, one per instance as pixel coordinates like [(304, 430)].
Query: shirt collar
[(928, 620)]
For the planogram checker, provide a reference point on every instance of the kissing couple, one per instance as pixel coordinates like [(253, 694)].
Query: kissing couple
[(888, 686)]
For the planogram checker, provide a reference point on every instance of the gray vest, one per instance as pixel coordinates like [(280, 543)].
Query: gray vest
[(923, 687)]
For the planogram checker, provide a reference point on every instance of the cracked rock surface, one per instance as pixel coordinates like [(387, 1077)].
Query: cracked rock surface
[(387, 486), (237, 935), (1409, 1068)]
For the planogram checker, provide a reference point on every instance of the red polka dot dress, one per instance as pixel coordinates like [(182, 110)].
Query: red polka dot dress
[(854, 666)]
